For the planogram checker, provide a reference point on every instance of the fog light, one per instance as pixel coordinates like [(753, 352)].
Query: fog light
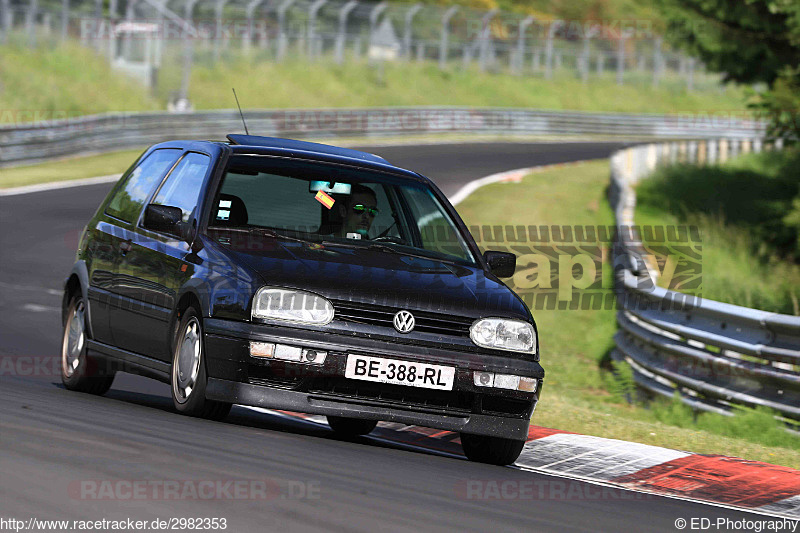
[(483, 379), (262, 349), (315, 357)]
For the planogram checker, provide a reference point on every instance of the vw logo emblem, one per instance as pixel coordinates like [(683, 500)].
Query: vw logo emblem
[(403, 321)]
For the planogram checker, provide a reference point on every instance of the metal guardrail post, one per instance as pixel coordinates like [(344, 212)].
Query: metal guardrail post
[(312, 27), (485, 39), (658, 60), (250, 11), (341, 36), (407, 31), (65, 19), (621, 55), (5, 20), (219, 6), (548, 59), (585, 59), (374, 14), (444, 47), (282, 38), (188, 49), (30, 22), (519, 60)]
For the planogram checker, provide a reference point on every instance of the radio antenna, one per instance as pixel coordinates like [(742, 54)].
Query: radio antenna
[(240, 110)]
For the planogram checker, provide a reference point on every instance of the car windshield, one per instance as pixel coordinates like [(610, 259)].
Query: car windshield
[(317, 202)]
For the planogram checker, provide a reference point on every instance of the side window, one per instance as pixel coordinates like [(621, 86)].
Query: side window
[(182, 187), (437, 231), (129, 199)]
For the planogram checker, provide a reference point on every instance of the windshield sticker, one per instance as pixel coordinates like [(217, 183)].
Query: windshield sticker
[(324, 199), (223, 214)]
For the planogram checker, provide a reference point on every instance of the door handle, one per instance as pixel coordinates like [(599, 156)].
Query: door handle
[(125, 247)]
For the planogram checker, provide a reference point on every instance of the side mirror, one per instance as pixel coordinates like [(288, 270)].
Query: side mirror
[(501, 264), (164, 218)]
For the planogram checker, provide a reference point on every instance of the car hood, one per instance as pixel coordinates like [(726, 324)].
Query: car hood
[(380, 277)]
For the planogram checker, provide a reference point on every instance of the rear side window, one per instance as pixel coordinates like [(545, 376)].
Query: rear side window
[(129, 199), (183, 185)]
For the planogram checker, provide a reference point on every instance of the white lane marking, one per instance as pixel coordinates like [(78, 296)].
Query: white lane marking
[(36, 308), (54, 185), (511, 176), (16, 287), (787, 507)]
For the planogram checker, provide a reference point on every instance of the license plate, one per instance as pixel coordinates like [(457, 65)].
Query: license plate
[(400, 372)]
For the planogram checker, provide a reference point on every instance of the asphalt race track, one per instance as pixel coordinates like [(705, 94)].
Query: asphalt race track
[(54, 443)]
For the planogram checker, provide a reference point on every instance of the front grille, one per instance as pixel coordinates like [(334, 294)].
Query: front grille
[(425, 322), (451, 401)]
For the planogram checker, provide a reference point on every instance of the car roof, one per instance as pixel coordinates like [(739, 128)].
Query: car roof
[(306, 146), (292, 148), (253, 144)]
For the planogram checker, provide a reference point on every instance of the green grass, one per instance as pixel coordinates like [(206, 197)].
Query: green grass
[(71, 80), (749, 245), (290, 85), (69, 169), (579, 395), (68, 80)]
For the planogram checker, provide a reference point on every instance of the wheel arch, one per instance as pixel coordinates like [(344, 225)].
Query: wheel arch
[(77, 283)]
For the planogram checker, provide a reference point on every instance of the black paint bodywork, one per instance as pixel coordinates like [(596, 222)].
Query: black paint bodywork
[(137, 282)]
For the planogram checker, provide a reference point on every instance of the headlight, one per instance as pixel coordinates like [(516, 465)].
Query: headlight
[(504, 334), (292, 306)]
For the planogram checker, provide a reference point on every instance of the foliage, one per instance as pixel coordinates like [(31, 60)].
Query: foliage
[(749, 41)]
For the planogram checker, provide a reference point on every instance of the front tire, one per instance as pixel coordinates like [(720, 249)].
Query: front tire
[(79, 372), (189, 377), (491, 450), (351, 427)]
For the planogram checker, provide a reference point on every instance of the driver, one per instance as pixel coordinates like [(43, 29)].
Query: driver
[(358, 211)]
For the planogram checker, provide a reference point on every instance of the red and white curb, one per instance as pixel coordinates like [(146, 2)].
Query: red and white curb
[(712, 479)]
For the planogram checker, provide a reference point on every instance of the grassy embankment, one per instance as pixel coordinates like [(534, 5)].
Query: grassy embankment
[(579, 396), (75, 80), (748, 213)]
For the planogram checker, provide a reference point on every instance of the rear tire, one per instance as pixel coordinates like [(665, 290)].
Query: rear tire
[(79, 372), (491, 450), (188, 373), (351, 427)]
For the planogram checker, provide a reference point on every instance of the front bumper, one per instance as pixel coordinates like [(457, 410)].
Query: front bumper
[(236, 377)]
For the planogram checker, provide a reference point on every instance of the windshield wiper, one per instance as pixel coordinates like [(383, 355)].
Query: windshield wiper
[(269, 232), (388, 249)]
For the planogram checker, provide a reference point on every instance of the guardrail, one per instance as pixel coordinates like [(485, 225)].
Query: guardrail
[(40, 141), (714, 355)]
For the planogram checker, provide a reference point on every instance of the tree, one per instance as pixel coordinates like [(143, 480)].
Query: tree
[(749, 41)]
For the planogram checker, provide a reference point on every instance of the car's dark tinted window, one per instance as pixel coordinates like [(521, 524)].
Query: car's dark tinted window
[(129, 199), (274, 201), (182, 186)]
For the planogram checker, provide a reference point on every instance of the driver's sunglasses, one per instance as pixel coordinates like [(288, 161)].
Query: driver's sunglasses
[(358, 209)]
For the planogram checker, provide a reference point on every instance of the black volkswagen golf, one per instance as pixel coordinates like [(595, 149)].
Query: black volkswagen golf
[(299, 276)]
